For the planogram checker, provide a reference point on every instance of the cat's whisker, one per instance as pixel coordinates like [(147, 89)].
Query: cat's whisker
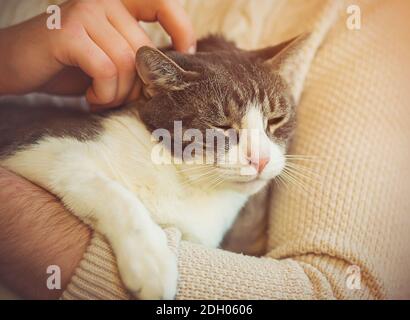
[(292, 177), (301, 166), (283, 182), (296, 182), (303, 169), (198, 178), (303, 158), (303, 162), (286, 182), (277, 181), (216, 182), (209, 180), (300, 176), (303, 172), (194, 172), (303, 179), (201, 167), (195, 175), (191, 181), (220, 179), (300, 156), (292, 182), (296, 160)]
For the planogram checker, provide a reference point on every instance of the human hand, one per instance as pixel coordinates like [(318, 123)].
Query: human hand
[(93, 52)]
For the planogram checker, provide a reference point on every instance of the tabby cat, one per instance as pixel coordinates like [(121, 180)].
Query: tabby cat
[(102, 165)]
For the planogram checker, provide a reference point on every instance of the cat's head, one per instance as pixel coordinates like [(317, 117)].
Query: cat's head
[(221, 92)]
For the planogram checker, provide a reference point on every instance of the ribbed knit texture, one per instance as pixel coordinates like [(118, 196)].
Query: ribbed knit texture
[(354, 118), (97, 276)]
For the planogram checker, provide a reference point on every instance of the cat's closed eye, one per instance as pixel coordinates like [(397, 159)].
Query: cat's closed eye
[(224, 127), (275, 121)]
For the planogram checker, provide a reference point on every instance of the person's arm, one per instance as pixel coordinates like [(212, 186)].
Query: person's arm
[(36, 231)]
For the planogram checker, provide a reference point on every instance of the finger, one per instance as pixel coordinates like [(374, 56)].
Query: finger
[(136, 91), (87, 55), (132, 96), (119, 51), (128, 26), (171, 15)]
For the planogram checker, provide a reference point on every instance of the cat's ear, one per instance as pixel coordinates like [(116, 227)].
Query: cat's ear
[(159, 73), (281, 56), (268, 53)]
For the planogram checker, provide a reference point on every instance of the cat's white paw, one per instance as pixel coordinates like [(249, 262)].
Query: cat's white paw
[(148, 267)]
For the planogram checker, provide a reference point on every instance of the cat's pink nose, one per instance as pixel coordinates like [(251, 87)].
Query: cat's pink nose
[(260, 164)]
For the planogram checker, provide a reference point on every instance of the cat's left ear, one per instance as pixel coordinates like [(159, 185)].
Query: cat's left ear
[(159, 73), (280, 57)]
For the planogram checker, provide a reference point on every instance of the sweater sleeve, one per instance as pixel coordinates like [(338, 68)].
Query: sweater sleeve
[(203, 274), (344, 236), (206, 273)]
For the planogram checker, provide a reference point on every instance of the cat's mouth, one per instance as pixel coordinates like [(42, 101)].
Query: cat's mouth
[(257, 178), (243, 175), (242, 179), (250, 186)]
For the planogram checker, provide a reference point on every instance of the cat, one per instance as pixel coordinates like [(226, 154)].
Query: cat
[(101, 165)]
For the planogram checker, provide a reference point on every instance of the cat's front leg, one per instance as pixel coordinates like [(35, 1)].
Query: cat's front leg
[(147, 266)]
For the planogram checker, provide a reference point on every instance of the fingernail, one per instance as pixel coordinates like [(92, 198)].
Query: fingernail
[(192, 49)]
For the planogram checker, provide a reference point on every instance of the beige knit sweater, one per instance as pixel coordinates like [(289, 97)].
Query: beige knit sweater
[(347, 237)]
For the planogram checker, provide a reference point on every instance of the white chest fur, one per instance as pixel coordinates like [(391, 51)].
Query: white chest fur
[(202, 215)]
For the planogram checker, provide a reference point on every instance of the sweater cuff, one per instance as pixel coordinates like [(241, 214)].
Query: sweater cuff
[(97, 276)]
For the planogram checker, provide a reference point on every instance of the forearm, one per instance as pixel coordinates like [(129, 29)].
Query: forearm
[(25, 60), (36, 231)]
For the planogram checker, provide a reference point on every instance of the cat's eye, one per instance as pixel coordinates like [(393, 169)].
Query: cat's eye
[(224, 128), (275, 121)]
